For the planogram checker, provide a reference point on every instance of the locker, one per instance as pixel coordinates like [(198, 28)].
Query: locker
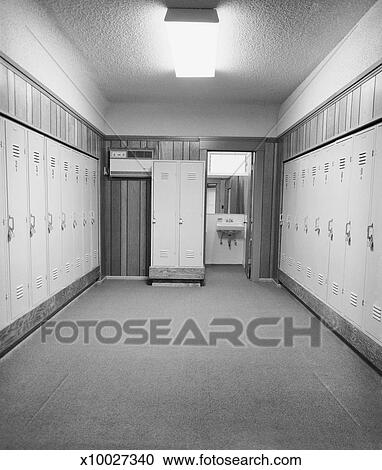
[(165, 216), (4, 284), (86, 215), (78, 224), (67, 230), (54, 216), (285, 214), (191, 217), (290, 218), (338, 210), (356, 226), (373, 283), (18, 218), (37, 218), (94, 221)]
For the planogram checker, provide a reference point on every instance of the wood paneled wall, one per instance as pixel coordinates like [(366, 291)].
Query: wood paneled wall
[(356, 106), (24, 99)]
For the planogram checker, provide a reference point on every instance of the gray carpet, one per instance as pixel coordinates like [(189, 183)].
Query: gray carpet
[(120, 397)]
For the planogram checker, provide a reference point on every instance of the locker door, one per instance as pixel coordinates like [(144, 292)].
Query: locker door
[(338, 210), (78, 225), (165, 222), (291, 219), (191, 214), (94, 214), (18, 219), (67, 196), (54, 216), (4, 284), (321, 251), (37, 218), (285, 214), (302, 212), (358, 219), (373, 283), (86, 215)]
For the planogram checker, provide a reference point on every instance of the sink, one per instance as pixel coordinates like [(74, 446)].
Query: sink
[(229, 227)]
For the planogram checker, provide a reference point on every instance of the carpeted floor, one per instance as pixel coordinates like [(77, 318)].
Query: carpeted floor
[(184, 397)]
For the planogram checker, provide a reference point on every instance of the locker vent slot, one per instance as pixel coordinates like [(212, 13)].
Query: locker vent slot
[(290, 261), (78, 262), (335, 288), (286, 180), (321, 279), (86, 258), (309, 272), (163, 253), (190, 254), (67, 267), (16, 151), (66, 166), (36, 158), (95, 254), (342, 163), (77, 169), (303, 174), (163, 175), (86, 175), (52, 162), (299, 266), (377, 313), (326, 167), (20, 292), (362, 159), (39, 282), (353, 299), (283, 257), (55, 274), (94, 177), (191, 176), (294, 176), (314, 171)]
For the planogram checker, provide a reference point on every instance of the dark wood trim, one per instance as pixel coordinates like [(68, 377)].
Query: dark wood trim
[(353, 336), (22, 327)]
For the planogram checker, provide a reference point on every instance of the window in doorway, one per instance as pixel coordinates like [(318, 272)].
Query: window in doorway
[(211, 199)]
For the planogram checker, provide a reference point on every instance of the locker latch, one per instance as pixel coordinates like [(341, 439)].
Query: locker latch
[(306, 225), (330, 229), (11, 228), (281, 219), (50, 222), (370, 236), (348, 233), (63, 221), (32, 227), (317, 227), (154, 221)]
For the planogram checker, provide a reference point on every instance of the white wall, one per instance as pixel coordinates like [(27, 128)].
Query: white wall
[(198, 119), (34, 41), (359, 50)]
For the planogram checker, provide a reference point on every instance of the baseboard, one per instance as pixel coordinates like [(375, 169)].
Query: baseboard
[(23, 326), (126, 278), (353, 336), (181, 274)]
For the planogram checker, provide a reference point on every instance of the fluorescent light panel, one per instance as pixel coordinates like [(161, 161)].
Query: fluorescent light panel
[(193, 35)]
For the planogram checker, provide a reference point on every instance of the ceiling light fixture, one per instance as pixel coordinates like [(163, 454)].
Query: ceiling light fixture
[(193, 35)]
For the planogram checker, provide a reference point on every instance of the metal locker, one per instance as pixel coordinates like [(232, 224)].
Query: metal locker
[(37, 218), (338, 210), (191, 214), (78, 215), (356, 225), (284, 221), (290, 219), (4, 279), (86, 212), (165, 217), (54, 215), (18, 218), (94, 213), (321, 222), (67, 202), (372, 316)]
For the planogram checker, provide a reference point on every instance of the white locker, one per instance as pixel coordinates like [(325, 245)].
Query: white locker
[(290, 219), (67, 198), (165, 214), (373, 283), (94, 221), (37, 218), (285, 215), (54, 216), (86, 212), (338, 210), (191, 214), (78, 215), (4, 284), (356, 226), (18, 218)]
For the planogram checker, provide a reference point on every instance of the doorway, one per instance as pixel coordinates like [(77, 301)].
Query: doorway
[(228, 208)]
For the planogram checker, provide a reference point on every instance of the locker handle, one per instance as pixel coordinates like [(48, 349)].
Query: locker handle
[(281, 219), (32, 229), (348, 233), (63, 222), (317, 226), (370, 236), (180, 220), (84, 222), (306, 224), (330, 229), (11, 227), (154, 220), (50, 222)]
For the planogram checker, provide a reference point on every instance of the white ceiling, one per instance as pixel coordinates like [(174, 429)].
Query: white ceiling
[(266, 47)]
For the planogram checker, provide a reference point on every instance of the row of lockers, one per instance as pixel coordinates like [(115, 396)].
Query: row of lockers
[(331, 239), (49, 213)]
